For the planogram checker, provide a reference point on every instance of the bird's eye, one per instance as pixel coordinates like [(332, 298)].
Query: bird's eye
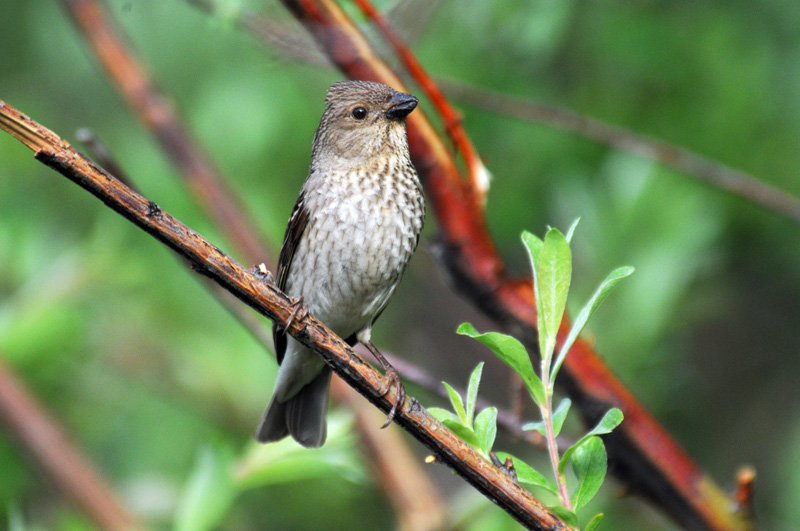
[(359, 113)]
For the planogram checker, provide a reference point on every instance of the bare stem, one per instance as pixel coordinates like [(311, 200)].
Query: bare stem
[(546, 410), (552, 448)]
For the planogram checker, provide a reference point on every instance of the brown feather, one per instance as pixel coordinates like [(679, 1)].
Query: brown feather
[(294, 232)]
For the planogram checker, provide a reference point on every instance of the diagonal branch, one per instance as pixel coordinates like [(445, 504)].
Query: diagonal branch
[(642, 453), (266, 299), (157, 113)]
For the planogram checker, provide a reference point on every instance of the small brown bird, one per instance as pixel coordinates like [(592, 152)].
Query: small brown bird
[(350, 236)]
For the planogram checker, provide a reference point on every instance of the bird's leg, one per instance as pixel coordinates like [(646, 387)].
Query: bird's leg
[(299, 311), (393, 377)]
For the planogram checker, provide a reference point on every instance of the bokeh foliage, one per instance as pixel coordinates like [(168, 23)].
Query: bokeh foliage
[(147, 372)]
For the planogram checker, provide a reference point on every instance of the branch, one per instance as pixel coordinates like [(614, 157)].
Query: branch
[(61, 460), (157, 113), (642, 453), (730, 180), (266, 299)]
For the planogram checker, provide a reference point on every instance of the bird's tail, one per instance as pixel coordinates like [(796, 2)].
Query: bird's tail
[(302, 416)]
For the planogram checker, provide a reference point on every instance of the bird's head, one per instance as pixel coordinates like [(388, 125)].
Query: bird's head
[(362, 120)]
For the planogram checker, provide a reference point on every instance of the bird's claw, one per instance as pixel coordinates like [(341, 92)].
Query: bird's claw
[(299, 311), (393, 378)]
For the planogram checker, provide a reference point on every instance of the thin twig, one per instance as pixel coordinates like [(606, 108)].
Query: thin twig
[(730, 180), (99, 150)]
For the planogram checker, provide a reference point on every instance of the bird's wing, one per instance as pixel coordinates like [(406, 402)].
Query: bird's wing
[(294, 231)]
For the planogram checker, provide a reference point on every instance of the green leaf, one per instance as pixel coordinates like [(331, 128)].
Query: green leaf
[(560, 414), (442, 414), (594, 522), (535, 426), (209, 492), (569, 517), (486, 429), (571, 229), (464, 432), (534, 246), (589, 308), (610, 420), (513, 354), (558, 419), (472, 391), (458, 405), (528, 475), (589, 464), (554, 276)]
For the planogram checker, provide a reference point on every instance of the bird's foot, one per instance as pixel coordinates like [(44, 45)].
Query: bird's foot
[(393, 378), (299, 311)]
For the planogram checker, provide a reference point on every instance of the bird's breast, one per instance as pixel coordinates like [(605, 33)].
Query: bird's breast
[(361, 234)]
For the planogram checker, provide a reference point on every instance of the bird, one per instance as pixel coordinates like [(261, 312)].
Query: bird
[(351, 234)]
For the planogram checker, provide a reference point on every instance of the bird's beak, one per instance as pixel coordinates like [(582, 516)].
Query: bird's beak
[(401, 105)]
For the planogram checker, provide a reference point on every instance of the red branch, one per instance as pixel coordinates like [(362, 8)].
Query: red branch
[(478, 177), (642, 453)]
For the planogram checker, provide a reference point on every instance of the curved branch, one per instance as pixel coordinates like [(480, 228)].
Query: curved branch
[(266, 299)]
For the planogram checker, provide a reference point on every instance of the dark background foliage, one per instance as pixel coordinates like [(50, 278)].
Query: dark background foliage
[(155, 381)]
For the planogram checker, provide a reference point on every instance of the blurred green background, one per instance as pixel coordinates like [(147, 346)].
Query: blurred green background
[(162, 388)]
